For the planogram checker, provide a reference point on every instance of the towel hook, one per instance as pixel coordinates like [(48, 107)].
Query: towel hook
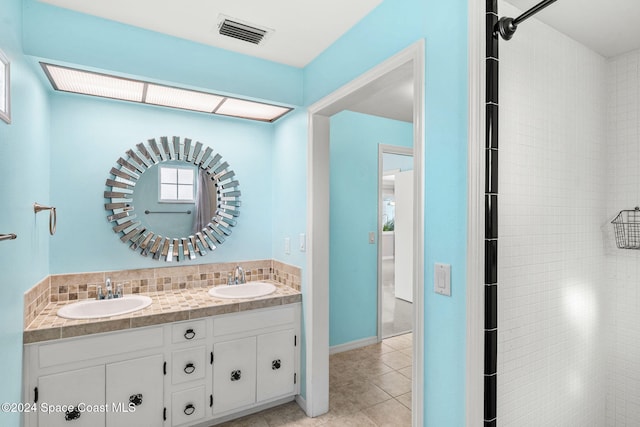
[(53, 220)]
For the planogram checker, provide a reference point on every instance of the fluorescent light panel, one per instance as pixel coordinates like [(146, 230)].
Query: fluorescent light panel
[(251, 110), (77, 81), (181, 98), (90, 83)]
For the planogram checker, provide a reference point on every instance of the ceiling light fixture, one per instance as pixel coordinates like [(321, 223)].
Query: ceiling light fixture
[(83, 82), (250, 110)]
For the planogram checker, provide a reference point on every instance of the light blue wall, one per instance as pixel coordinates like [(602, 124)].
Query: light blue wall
[(24, 179), (443, 26), (75, 38), (289, 203), (289, 186), (88, 136), (353, 261)]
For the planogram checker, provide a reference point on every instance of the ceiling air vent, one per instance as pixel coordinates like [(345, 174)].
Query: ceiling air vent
[(237, 30)]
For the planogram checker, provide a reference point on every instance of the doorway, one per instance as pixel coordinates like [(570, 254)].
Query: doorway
[(317, 270), (395, 249)]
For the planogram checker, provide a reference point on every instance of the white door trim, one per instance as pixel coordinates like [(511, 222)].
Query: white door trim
[(317, 271), (475, 216)]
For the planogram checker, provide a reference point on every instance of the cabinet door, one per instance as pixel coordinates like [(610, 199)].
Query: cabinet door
[(234, 374), (275, 364), (73, 398), (134, 394)]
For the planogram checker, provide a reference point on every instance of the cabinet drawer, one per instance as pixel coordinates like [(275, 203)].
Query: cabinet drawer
[(187, 406), (100, 345), (189, 331), (188, 365), (251, 321)]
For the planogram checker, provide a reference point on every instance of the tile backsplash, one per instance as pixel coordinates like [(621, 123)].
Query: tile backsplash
[(79, 286)]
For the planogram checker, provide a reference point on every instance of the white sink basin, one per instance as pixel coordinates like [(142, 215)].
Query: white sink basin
[(246, 290), (93, 309)]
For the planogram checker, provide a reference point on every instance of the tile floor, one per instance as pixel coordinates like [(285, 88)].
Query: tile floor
[(368, 386)]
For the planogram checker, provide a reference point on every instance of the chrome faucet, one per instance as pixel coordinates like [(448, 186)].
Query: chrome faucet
[(109, 288), (239, 276)]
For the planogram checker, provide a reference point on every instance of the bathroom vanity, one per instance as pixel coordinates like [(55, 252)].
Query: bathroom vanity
[(193, 372)]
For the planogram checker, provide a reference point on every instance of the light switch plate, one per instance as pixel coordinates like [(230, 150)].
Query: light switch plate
[(442, 279), (303, 242), (372, 237), (287, 245)]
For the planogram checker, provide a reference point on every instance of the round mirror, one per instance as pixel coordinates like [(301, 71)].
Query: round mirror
[(172, 200)]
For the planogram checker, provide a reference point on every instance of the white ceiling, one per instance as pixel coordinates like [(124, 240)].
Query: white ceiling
[(609, 27), (302, 29)]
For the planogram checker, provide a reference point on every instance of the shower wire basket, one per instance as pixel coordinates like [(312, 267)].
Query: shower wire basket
[(627, 229)]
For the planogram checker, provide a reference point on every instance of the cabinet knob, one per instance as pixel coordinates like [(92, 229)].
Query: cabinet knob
[(189, 409), (276, 364), (236, 375), (190, 334), (136, 399), (72, 414), (189, 368)]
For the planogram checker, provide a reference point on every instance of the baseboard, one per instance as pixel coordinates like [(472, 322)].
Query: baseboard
[(353, 345), (302, 403)]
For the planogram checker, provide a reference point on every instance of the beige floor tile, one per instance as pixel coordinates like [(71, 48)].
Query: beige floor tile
[(358, 419), (407, 351), (362, 393), (407, 372), (405, 399), (400, 342), (389, 414), (289, 414), (396, 360), (255, 420), (393, 383)]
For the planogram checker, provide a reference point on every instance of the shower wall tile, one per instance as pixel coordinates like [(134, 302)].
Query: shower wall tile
[(551, 265), (623, 266)]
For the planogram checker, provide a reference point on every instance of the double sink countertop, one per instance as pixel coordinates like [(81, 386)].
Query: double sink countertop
[(166, 307)]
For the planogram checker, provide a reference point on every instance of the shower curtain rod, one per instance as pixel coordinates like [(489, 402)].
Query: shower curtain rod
[(506, 27)]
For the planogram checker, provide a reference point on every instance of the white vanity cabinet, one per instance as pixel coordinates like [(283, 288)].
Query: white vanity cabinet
[(180, 374), (256, 358), (112, 380)]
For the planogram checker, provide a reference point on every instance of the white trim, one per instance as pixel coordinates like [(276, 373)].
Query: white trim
[(352, 345), (317, 272), (302, 403), (475, 217), (417, 387), (382, 149)]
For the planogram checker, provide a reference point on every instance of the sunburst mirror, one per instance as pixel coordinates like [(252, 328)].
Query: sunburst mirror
[(173, 199)]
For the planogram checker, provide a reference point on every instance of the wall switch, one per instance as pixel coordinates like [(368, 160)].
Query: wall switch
[(442, 279), (287, 245), (372, 237), (303, 242)]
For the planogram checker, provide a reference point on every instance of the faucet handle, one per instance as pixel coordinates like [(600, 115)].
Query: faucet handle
[(99, 294), (119, 292)]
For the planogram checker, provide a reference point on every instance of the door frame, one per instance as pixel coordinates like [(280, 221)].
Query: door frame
[(382, 149), (317, 271)]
